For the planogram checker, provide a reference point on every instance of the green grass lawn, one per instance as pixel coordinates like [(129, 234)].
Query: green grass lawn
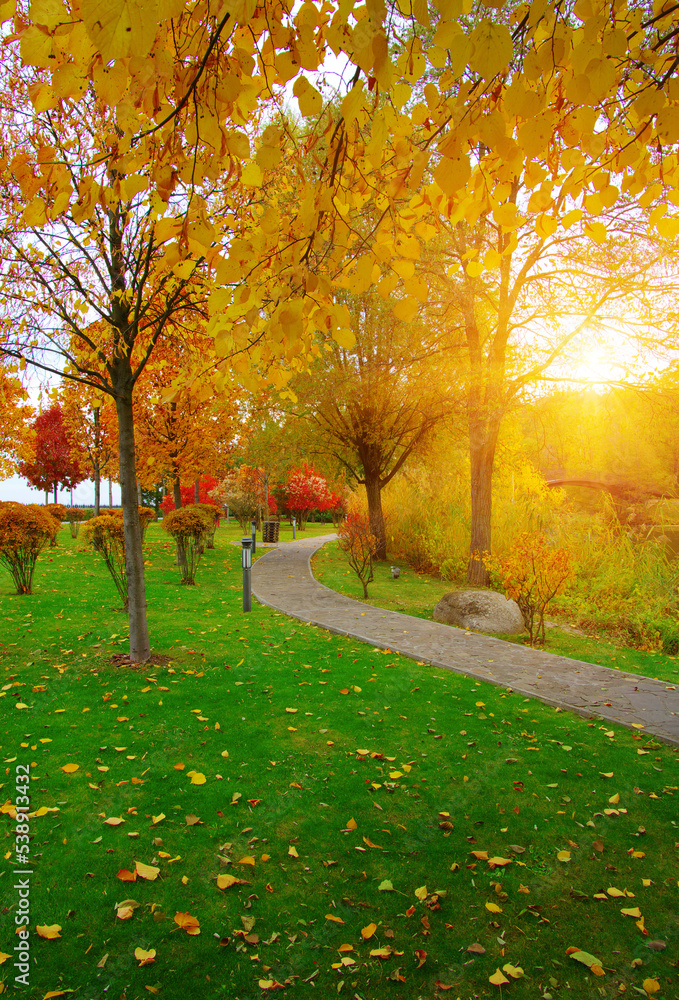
[(337, 819), (417, 594)]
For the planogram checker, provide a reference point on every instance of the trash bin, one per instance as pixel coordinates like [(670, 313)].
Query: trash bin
[(270, 531)]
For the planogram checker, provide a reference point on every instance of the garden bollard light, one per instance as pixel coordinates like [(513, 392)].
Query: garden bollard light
[(247, 568), (395, 572), (254, 536), (294, 526)]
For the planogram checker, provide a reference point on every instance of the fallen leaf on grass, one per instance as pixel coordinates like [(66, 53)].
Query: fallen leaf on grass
[(179, 767), (421, 893), (381, 952), (421, 957), (498, 979), (291, 711), (226, 881), (352, 824), (515, 971), (197, 778), (125, 909), (651, 986), (476, 949), (69, 768), (188, 923), (145, 957), (157, 819), (49, 931), (270, 984), (149, 872), (493, 908), (386, 886), (114, 821), (331, 916), (126, 876), (563, 856), (292, 852), (585, 958), (499, 862), (442, 986), (367, 932), (3, 957)]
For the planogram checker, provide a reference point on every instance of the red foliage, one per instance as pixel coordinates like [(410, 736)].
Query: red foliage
[(53, 465), (307, 490), (206, 483)]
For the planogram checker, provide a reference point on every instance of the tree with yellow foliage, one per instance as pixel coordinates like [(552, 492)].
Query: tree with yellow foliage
[(185, 86)]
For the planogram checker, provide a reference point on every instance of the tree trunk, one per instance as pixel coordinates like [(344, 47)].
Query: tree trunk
[(196, 490), (110, 493), (177, 491), (138, 493), (55, 492), (373, 489), (140, 650), (96, 468), (482, 442)]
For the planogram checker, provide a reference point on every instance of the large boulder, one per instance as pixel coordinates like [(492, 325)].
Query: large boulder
[(482, 610)]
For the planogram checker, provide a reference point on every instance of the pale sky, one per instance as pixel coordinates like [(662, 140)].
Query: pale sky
[(18, 489)]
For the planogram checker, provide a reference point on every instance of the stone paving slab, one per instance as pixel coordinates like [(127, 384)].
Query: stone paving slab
[(282, 579)]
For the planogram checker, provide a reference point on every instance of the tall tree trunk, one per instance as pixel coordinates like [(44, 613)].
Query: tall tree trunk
[(140, 649), (138, 492), (373, 489), (96, 466), (110, 493), (97, 488), (482, 443), (55, 492)]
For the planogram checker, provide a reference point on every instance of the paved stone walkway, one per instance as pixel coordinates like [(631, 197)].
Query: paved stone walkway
[(282, 579)]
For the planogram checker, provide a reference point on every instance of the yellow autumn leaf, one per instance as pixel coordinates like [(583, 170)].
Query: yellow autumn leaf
[(157, 819), (336, 920), (309, 100), (352, 824), (498, 978), (197, 778), (48, 931), (148, 872), (247, 860), (651, 986), (188, 923), (492, 48), (292, 851), (421, 893), (493, 908), (631, 911), (114, 821), (69, 768), (367, 932), (3, 957), (515, 971), (563, 856), (145, 957)]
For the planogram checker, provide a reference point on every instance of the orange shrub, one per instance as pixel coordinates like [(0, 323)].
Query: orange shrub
[(107, 535), (359, 545), (25, 529), (532, 574)]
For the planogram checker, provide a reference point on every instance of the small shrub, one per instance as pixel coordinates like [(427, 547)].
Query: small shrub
[(107, 535), (187, 526), (532, 574), (74, 516), (25, 529), (212, 515), (58, 511), (359, 545)]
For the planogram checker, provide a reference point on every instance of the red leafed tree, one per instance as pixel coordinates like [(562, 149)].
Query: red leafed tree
[(306, 490), (188, 494), (53, 463)]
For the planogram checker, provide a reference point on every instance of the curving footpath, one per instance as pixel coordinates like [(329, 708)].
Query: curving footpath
[(282, 579)]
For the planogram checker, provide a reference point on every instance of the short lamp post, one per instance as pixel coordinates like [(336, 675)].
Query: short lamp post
[(247, 572), (294, 527), (254, 536)]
